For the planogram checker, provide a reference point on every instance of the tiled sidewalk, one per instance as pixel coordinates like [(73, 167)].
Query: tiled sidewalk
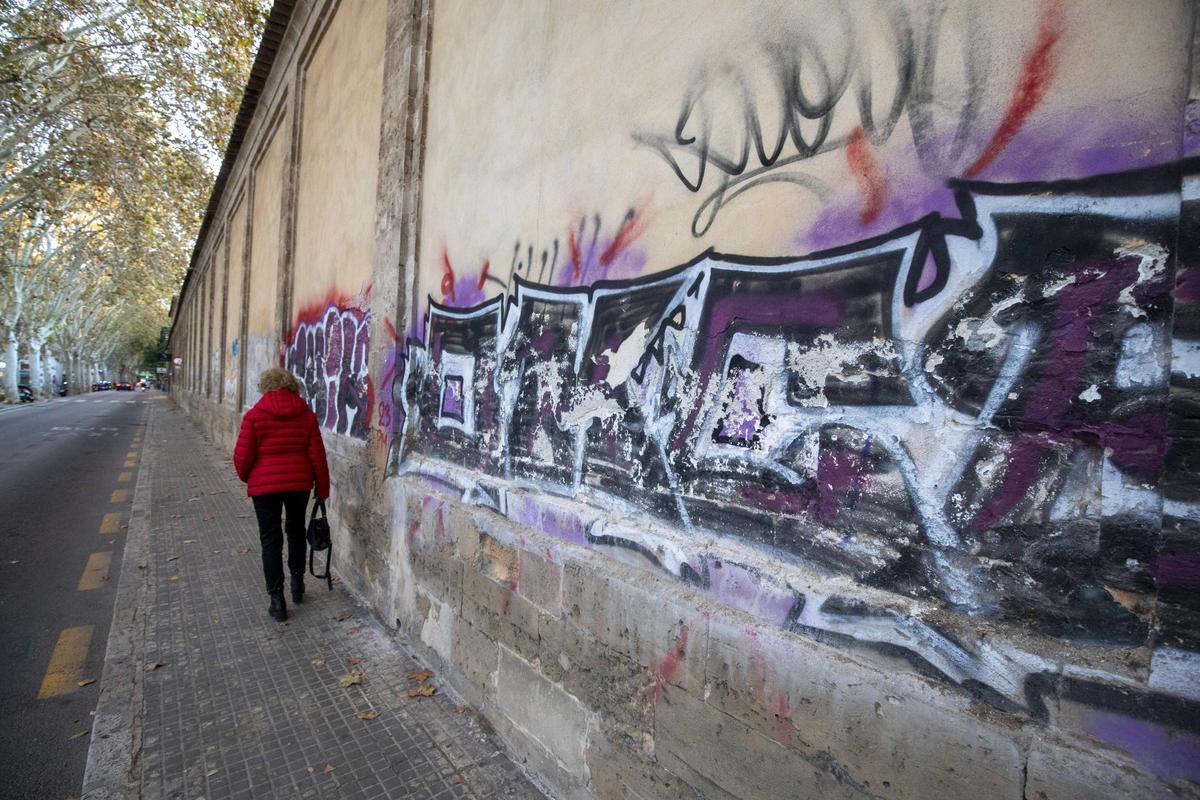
[(243, 707)]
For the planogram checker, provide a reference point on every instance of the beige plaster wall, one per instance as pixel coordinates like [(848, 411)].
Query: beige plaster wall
[(262, 324), (339, 147), (232, 343), (220, 269), (541, 111)]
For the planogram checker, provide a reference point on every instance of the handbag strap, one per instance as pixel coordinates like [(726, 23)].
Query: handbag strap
[(328, 576)]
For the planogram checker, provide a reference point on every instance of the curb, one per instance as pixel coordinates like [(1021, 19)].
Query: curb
[(112, 762)]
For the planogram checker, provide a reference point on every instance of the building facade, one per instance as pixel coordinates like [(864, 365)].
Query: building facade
[(772, 399)]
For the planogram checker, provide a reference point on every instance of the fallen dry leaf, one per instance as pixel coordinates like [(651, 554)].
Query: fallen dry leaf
[(174, 578), (328, 769), (153, 665), (189, 541), (77, 735), (424, 690), (172, 558), (318, 662), (459, 779), (459, 709), (367, 714), (245, 516), (423, 675), (353, 679), (211, 772), (177, 516), (342, 616), (351, 661), (243, 550), (219, 491), (352, 631), (86, 682)]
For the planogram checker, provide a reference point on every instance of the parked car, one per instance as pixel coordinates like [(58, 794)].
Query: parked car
[(124, 386), (25, 393)]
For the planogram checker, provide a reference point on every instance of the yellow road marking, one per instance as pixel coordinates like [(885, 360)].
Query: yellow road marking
[(66, 663), (130, 463), (95, 574), (124, 477), (120, 495), (110, 524), (131, 454)]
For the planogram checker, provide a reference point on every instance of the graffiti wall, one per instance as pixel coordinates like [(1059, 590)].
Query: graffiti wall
[(328, 353), (889, 291)]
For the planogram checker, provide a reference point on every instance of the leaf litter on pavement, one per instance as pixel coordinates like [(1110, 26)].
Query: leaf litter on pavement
[(425, 689), (367, 715), (353, 679)]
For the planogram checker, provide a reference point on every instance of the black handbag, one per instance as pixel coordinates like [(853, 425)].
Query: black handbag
[(319, 539)]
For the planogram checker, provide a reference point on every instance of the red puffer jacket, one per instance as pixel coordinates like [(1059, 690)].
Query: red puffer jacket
[(279, 447)]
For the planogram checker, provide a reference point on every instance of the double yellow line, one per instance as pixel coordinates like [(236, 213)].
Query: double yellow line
[(64, 673)]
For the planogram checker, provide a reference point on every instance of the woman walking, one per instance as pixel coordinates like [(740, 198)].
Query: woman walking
[(280, 457)]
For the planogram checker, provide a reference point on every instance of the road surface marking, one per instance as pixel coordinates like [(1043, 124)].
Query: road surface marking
[(124, 477), (110, 524), (120, 495), (66, 664), (95, 574), (129, 463), (131, 454)]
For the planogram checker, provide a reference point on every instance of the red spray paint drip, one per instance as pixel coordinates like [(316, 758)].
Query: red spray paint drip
[(871, 181), (447, 278), (669, 664), (576, 258), (1036, 75), (483, 273), (625, 235)]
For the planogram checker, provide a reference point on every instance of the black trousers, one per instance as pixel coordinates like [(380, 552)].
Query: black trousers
[(268, 507)]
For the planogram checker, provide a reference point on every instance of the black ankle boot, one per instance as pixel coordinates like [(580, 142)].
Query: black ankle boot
[(278, 609), (297, 587)]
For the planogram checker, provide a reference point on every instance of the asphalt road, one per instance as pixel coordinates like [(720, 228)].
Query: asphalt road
[(67, 472)]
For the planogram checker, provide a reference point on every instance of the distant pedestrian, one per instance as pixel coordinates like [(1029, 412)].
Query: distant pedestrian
[(280, 456)]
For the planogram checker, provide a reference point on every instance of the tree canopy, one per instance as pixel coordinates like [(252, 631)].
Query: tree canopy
[(113, 118)]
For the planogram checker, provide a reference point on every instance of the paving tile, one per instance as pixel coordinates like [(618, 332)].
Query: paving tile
[(238, 710)]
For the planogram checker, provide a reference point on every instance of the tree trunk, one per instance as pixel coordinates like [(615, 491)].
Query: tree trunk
[(48, 371), (36, 382), (12, 369)]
